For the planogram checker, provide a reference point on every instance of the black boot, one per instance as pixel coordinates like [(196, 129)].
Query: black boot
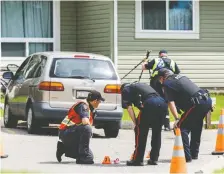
[(60, 151), (85, 159), (151, 162), (195, 157), (188, 160), (134, 163)]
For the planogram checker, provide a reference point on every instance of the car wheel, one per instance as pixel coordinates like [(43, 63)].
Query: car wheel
[(9, 120), (111, 133), (32, 124)]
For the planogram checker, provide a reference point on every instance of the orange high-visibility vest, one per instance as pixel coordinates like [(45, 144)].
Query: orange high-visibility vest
[(73, 118)]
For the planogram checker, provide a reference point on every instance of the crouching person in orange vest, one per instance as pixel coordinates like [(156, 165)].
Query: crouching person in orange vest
[(75, 130)]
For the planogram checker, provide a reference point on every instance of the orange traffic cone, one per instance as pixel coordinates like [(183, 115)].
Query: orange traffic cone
[(148, 156), (219, 148), (178, 162), (106, 160), (1, 150)]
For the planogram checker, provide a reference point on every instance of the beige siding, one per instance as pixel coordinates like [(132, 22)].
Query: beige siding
[(68, 25), (202, 60), (93, 27)]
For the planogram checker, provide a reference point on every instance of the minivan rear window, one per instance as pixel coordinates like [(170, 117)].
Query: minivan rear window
[(75, 67)]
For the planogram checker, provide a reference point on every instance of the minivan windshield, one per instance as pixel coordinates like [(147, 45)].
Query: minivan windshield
[(82, 68)]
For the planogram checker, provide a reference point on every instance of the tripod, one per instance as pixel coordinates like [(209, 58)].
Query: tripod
[(145, 59)]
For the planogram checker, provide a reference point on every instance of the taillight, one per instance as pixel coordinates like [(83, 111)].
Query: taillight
[(112, 88), (51, 86), (81, 56)]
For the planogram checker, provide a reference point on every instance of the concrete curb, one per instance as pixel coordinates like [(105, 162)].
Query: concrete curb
[(213, 165), (127, 125), (130, 125)]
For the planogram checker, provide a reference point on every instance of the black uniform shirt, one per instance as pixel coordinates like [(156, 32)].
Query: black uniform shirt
[(126, 97), (136, 94), (82, 110), (180, 90)]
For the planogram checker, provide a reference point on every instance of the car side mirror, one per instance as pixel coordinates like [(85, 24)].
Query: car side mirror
[(7, 75), (12, 67)]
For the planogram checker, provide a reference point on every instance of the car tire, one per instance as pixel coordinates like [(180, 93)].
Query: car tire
[(111, 133), (32, 124), (9, 120)]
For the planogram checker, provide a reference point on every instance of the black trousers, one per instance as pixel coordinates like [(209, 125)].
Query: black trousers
[(192, 122), (76, 141), (154, 83), (152, 115)]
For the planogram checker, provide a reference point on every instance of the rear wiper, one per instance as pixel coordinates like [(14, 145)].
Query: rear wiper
[(81, 77)]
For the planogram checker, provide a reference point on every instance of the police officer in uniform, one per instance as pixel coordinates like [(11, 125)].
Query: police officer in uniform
[(155, 65), (194, 101), (153, 110), (75, 130)]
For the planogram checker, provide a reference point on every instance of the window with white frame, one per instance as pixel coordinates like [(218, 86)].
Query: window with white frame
[(27, 27), (167, 19)]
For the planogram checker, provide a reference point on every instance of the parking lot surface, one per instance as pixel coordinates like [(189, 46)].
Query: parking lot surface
[(37, 152)]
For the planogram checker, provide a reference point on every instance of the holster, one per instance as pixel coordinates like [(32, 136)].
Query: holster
[(199, 96)]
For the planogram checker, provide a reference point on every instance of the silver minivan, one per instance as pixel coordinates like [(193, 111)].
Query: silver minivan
[(47, 84)]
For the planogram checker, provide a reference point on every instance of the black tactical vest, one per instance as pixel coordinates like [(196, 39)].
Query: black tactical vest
[(140, 92), (167, 63), (182, 85)]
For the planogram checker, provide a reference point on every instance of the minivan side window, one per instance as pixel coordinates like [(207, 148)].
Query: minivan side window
[(34, 62), (40, 67), (19, 73)]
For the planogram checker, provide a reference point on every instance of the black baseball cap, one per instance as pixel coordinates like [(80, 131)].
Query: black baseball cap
[(163, 51), (165, 72), (95, 95)]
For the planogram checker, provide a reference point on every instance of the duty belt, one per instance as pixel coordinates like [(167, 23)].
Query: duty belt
[(141, 100), (199, 96), (149, 96)]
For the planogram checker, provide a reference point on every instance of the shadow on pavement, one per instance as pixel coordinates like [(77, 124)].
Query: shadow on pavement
[(160, 161), (98, 136), (74, 163), (56, 162), (165, 161), (21, 130)]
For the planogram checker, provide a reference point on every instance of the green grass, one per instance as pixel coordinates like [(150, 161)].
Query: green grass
[(218, 107), (215, 114), (219, 171)]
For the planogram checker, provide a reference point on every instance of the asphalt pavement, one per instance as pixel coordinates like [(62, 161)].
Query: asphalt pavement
[(36, 153)]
